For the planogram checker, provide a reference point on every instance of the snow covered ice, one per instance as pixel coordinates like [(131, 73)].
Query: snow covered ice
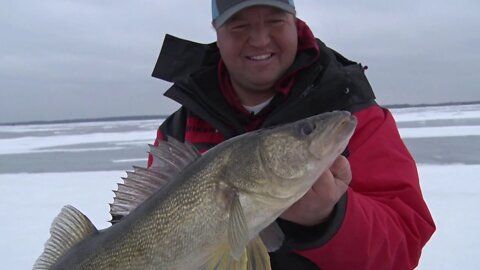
[(44, 167)]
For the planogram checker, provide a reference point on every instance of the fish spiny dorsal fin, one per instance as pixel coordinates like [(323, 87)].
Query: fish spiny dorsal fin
[(173, 153), (68, 228), (170, 157)]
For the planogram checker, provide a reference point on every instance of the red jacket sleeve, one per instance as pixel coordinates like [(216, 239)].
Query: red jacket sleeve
[(386, 221)]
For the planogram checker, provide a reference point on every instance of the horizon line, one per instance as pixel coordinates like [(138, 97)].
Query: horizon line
[(161, 116)]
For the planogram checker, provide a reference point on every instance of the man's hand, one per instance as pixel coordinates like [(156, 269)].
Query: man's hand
[(317, 204)]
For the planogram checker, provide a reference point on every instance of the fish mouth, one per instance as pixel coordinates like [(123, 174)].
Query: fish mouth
[(336, 139), (347, 126), (344, 127)]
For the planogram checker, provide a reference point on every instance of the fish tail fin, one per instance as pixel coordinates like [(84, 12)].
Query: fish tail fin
[(68, 229), (255, 257)]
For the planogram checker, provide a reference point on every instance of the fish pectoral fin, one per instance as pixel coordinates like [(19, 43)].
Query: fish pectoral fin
[(237, 229), (68, 228), (221, 259), (257, 255), (238, 253), (254, 257)]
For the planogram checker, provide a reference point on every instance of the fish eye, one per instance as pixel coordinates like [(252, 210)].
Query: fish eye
[(306, 128)]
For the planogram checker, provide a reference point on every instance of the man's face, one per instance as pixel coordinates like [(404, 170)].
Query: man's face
[(258, 44)]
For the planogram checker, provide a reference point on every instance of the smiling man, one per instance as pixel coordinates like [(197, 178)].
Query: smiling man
[(258, 44), (267, 68)]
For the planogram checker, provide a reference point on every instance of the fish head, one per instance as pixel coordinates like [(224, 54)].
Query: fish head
[(296, 154)]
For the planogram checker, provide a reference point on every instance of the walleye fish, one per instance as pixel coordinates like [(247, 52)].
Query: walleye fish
[(192, 211)]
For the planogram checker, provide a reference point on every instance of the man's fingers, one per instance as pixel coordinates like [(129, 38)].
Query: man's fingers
[(341, 170)]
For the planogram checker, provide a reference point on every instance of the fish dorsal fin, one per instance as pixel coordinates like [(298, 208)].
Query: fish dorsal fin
[(170, 157), (68, 228), (173, 154)]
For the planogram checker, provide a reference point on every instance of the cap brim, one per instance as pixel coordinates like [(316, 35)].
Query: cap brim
[(220, 20)]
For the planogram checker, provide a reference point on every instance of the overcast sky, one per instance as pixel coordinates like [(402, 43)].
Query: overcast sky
[(65, 59)]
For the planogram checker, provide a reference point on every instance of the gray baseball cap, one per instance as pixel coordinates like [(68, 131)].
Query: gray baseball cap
[(222, 10)]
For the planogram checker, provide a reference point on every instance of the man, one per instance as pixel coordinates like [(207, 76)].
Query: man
[(266, 68)]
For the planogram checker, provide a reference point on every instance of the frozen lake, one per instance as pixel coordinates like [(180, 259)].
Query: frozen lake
[(43, 167)]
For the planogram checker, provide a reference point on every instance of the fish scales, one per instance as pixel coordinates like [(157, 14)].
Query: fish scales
[(174, 218)]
